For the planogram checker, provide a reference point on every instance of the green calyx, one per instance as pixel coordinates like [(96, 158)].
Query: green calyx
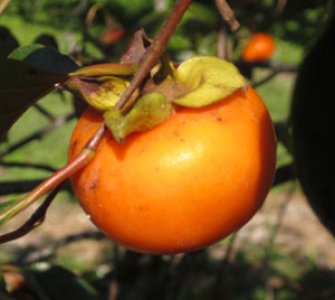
[(149, 110), (197, 82), (208, 80)]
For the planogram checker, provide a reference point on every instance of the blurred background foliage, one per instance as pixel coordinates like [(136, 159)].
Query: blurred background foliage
[(295, 21), (252, 265)]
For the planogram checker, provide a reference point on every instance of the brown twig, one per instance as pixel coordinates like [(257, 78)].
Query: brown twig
[(35, 220), (153, 53), (227, 14), (222, 42), (280, 7), (56, 179)]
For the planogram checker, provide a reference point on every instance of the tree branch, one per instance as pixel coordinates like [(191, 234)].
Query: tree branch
[(227, 14), (44, 112), (13, 164), (24, 186)]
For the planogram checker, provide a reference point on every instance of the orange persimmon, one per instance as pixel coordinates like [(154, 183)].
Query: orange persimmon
[(260, 46), (184, 184)]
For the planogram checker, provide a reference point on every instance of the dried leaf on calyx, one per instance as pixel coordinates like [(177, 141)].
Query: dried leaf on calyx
[(149, 111), (208, 80), (137, 47)]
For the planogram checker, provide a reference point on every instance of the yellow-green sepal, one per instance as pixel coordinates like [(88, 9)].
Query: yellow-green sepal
[(108, 93), (208, 80), (149, 111), (106, 69)]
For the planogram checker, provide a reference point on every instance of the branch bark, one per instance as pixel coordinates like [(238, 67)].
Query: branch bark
[(227, 14)]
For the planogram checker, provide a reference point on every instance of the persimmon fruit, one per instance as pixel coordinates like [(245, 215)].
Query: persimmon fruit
[(184, 184), (260, 46)]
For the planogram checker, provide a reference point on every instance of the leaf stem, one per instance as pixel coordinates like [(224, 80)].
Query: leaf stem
[(56, 179), (34, 221), (153, 53)]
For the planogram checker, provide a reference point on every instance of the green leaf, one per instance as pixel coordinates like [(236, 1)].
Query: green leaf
[(28, 74), (45, 58), (208, 80), (149, 111)]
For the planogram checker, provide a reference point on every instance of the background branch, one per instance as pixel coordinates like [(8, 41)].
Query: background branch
[(56, 123), (24, 186), (227, 14), (44, 112), (26, 165)]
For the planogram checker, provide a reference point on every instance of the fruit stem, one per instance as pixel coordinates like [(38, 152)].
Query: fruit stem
[(153, 54), (56, 179)]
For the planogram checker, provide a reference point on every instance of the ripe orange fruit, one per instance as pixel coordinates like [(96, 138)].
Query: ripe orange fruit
[(186, 183), (260, 46)]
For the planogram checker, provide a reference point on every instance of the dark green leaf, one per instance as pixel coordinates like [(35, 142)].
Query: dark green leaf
[(44, 58), (28, 74), (46, 40), (7, 41)]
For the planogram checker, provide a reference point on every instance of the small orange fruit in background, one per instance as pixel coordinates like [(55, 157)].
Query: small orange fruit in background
[(260, 46), (184, 184), (112, 35)]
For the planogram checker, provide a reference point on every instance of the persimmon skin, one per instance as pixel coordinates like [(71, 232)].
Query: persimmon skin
[(183, 185), (260, 46)]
